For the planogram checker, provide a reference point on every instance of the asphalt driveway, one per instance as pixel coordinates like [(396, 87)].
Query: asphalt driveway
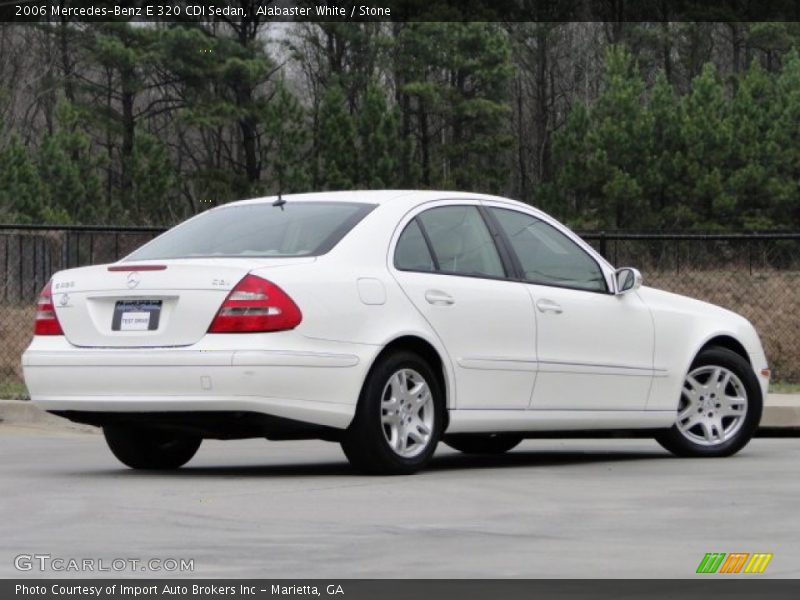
[(550, 508)]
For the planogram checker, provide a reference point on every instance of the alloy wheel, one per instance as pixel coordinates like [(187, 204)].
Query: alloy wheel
[(713, 405), (407, 413)]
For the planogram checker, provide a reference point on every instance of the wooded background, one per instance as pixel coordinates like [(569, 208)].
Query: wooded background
[(629, 126)]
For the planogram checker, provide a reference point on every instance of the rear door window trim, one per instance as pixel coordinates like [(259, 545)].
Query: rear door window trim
[(505, 260)]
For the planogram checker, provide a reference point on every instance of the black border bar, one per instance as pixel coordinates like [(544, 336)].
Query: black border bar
[(707, 587), (401, 10)]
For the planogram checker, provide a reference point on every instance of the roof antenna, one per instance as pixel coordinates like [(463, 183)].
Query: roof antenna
[(280, 201)]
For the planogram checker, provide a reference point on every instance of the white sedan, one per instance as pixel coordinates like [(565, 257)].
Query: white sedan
[(386, 321)]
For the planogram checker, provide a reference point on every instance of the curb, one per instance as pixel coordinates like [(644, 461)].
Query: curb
[(781, 416), (23, 412), (781, 410)]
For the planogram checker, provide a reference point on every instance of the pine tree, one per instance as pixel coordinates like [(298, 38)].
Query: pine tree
[(379, 141), (455, 93), (70, 169), (287, 133), (337, 148), (23, 195), (619, 130), (480, 72), (752, 181), (126, 56), (783, 145), (607, 151), (226, 96), (153, 181), (570, 196), (661, 177), (707, 135)]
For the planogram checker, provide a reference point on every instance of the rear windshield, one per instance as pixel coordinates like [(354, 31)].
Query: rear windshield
[(296, 229)]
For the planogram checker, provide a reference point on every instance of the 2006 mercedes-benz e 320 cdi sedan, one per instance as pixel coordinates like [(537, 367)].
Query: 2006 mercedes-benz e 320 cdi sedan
[(386, 321)]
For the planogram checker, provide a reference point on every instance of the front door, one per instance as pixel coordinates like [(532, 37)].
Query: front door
[(594, 348)]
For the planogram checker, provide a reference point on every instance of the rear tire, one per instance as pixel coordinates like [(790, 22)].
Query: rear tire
[(148, 448), (496, 443), (720, 407), (399, 418)]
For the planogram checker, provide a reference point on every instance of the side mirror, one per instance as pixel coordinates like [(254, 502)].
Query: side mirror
[(628, 279)]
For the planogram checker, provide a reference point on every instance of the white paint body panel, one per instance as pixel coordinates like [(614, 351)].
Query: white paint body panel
[(489, 333), (605, 362), (598, 350)]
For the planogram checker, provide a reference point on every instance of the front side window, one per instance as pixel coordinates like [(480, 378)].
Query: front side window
[(461, 242), (546, 255), (259, 230)]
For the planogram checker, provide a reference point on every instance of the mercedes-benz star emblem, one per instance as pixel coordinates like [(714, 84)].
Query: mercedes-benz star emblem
[(64, 299), (133, 279)]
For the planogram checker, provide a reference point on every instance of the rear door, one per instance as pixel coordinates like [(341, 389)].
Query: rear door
[(447, 263)]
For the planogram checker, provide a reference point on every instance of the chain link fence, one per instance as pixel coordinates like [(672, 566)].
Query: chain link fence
[(29, 255), (756, 275)]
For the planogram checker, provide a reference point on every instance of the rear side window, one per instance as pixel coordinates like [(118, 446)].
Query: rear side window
[(259, 230), (412, 252), (459, 239)]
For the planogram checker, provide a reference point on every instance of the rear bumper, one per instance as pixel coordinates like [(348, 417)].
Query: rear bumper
[(225, 425), (319, 386)]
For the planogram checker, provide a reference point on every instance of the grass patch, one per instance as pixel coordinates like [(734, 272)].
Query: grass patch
[(15, 332), (13, 391), (781, 387)]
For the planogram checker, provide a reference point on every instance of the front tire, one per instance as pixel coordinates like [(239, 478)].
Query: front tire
[(497, 443), (720, 407), (147, 448), (399, 418)]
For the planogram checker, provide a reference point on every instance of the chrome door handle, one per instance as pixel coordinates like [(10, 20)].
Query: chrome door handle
[(439, 298), (545, 305)]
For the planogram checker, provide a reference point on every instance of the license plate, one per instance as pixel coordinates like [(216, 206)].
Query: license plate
[(136, 315)]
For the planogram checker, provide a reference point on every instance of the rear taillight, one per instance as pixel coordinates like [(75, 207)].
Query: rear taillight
[(255, 305), (46, 320)]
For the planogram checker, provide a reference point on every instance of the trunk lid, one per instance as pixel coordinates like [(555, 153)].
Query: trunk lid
[(148, 303)]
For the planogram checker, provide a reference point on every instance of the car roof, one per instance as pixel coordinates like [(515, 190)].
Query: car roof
[(411, 197)]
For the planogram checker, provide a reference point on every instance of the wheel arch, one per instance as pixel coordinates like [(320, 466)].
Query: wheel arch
[(665, 391), (713, 340), (419, 345), (724, 341)]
